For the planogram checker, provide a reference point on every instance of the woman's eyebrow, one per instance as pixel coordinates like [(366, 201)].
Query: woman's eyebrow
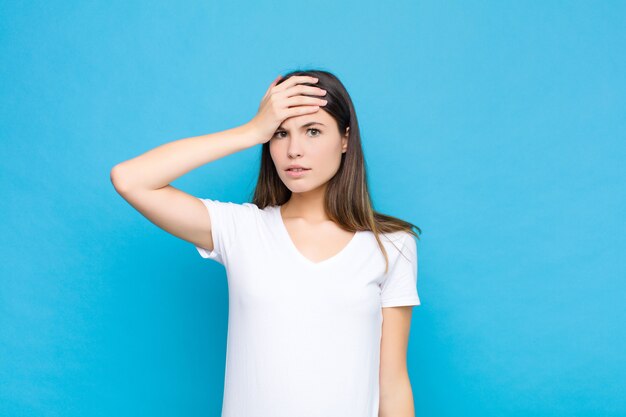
[(305, 125)]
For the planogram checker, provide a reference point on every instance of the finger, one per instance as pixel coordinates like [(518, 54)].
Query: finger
[(296, 79), (305, 100), (297, 111), (301, 89)]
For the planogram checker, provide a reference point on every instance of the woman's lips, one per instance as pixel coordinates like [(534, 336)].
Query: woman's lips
[(297, 174)]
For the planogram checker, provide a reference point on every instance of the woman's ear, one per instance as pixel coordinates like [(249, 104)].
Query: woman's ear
[(344, 140)]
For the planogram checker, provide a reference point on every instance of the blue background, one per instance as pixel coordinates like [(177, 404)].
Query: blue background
[(496, 127)]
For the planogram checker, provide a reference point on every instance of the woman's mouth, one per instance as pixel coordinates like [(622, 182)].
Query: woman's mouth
[(297, 172)]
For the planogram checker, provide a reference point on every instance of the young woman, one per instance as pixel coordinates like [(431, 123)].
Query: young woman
[(321, 287)]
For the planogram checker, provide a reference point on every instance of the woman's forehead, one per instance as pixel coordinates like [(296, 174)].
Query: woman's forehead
[(306, 120)]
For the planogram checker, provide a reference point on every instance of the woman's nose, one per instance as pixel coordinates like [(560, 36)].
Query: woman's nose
[(295, 147)]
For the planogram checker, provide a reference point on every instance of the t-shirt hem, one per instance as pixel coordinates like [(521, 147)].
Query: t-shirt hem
[(207, 254), (216, 223), (402, 301)]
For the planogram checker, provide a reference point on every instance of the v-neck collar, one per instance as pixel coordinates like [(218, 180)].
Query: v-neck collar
[(289, 242)]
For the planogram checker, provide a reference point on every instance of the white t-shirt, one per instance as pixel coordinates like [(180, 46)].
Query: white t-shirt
[(304, 337)]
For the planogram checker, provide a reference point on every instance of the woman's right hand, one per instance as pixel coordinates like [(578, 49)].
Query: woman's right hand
[(283, 101)]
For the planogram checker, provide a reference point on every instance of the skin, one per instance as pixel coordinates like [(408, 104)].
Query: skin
[(396, 394), (319, 147)]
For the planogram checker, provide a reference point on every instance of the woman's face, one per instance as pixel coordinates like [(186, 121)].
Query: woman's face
[(312, 141)]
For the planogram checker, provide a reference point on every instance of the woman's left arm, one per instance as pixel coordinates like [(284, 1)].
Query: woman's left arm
[(396, 395)]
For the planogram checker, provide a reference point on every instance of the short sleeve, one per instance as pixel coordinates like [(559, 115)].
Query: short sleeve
[(228, 220), (399, 287)]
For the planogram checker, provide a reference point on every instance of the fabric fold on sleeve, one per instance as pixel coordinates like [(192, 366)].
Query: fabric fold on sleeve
[(221, 218), (399, 287)]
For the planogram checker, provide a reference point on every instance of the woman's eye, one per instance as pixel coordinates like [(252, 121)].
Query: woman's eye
[(276, 135)]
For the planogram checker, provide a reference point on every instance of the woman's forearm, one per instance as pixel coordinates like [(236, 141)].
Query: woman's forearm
[(396, 399), (160, 166)]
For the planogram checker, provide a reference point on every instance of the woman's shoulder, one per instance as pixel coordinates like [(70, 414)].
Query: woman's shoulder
[(231, 205), (390, 240), (397, 236), (239, 211)]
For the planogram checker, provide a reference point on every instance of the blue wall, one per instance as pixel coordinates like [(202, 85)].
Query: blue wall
[(496, 127)]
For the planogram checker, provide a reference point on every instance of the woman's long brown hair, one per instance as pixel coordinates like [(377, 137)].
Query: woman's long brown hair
[(347, 199)]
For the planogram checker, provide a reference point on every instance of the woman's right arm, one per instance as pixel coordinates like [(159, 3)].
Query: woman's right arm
[(144, 181)]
